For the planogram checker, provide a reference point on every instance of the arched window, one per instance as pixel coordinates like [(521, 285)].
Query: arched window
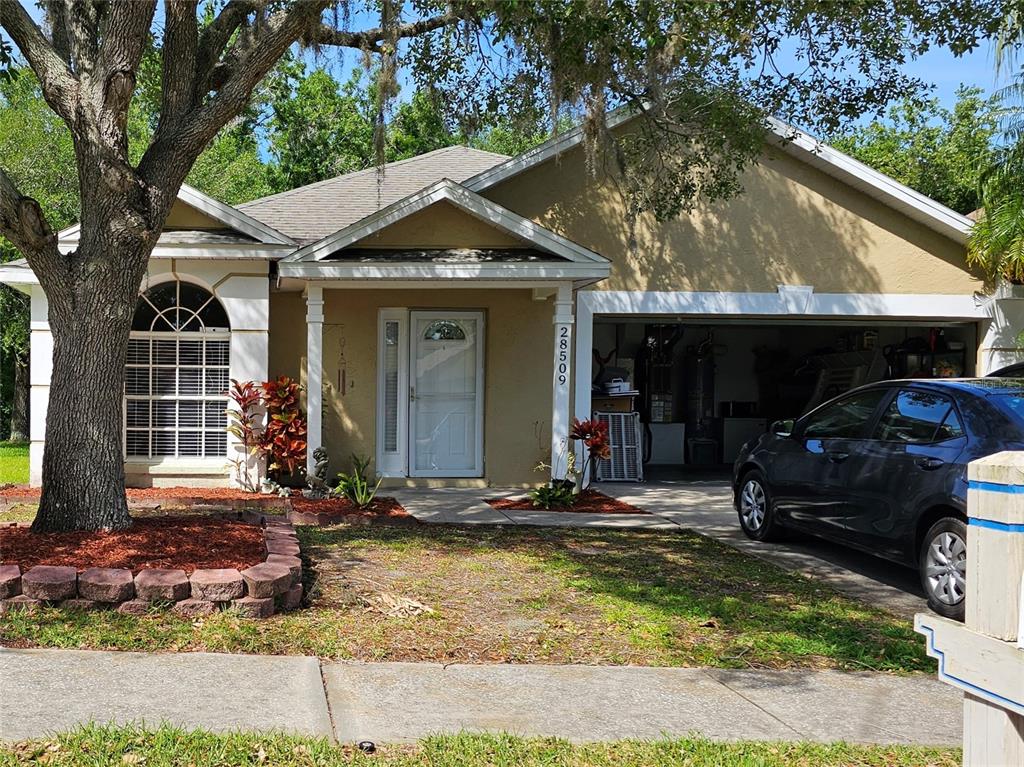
[(444, 330), (177, 374)]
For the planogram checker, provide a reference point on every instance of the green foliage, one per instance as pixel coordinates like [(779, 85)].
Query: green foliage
[(997, 240), (112, 745), (556, 495), (356, 487), (937, 151)]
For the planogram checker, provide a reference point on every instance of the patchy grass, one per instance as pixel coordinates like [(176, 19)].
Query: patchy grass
[(526, 595), (118, 746), (13, 463)]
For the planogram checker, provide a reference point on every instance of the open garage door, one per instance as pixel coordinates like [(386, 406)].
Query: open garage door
[(702, 388)]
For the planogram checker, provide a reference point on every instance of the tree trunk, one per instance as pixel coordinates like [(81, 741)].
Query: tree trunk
[(19, 401)]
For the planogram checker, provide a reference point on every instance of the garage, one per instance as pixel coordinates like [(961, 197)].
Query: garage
[(682, 395)]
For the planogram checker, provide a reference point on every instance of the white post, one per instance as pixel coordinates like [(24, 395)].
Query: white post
[(40, 370), (981, 656), (561, 381), (584, 362), (314, 371)]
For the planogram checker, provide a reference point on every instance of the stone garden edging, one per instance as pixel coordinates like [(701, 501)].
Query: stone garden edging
[(274, 585)]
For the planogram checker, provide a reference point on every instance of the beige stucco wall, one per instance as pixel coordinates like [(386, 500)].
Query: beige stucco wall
[(793, 225), (184, 216), (440, 225), (517, 374)]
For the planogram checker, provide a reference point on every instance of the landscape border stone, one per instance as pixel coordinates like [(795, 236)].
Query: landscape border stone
[(271, 586)]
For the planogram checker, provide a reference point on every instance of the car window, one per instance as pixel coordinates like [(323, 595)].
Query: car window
[(845, 418), (919, 417)]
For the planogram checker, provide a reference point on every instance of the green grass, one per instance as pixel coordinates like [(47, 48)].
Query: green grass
[(13, 463), (527, 595), (95, 746)]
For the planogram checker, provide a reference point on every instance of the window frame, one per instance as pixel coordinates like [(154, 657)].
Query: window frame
[(869, 425), (203, 400), (954, 408)]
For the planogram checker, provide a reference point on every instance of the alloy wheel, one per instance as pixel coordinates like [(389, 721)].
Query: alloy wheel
[(946, 568), (753, 505)]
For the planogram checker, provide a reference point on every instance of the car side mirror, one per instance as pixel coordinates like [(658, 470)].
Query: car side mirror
[(783, 428)]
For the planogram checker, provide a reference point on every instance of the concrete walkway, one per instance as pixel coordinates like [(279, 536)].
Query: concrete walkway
[(42, 691), (702, 506)]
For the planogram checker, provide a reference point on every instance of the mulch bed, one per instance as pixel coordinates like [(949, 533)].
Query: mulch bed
[(331, 510), (588, 502), (186, 543), (195, 494)]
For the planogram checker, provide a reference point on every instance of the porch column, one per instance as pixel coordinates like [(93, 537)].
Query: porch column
[(584, 360), (314, 371), (562, 381)]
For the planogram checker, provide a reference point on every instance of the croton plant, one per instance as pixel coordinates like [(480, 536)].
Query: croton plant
[(284, 438)]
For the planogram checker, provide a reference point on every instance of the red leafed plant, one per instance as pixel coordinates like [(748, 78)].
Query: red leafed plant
[(284, 438), (594, 436), (245, 424)]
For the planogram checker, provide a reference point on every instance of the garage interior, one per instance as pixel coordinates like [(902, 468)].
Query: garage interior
[(701, 389)]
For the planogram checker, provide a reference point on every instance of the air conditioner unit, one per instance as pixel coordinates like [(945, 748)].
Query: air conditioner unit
[(624, 439)]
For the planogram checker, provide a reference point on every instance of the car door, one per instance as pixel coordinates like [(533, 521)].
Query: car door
[(909, 464), (808, 473)]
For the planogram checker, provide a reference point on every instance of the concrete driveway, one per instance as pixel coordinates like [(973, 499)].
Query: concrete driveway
[(706, 507)]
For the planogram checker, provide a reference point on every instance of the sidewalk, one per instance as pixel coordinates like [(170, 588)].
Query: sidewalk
[(50, 690)]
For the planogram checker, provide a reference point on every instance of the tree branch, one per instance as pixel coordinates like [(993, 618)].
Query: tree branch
[(60, 86), (215, 38), (181, 41), (23, 223), (372, 39), (124, 38)]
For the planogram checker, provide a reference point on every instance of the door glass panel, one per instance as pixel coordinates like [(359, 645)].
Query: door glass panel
[(391, 361), (445, 373), (845, 419), (920, 417)]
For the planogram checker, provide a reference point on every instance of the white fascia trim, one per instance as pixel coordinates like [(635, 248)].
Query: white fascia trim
[(320, 270), (783, 303), (254, 251), (226, 214), (469, 202), (19, 277), (800, 144), (944, 220)]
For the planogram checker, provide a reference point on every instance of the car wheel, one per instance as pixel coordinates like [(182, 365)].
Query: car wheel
[(943, 564), (757, 513)]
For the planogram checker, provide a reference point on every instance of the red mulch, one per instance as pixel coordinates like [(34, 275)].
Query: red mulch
[(196, 494), (587, 502), (186, 543), (381, 507)]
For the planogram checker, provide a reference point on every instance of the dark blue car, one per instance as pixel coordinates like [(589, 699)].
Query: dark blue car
[(883, 468)]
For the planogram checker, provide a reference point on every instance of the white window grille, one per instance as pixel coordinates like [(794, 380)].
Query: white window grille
[(177, 375)]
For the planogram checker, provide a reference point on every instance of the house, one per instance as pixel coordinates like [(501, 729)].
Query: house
[(450, 318)]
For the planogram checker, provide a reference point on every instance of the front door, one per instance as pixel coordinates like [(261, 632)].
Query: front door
[(446, 394)]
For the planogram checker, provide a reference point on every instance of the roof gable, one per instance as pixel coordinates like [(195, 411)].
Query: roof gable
[(312, 212), (468, 202), (791, 140), (200, 213)]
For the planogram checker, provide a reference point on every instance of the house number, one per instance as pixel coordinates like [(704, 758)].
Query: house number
[(563, 354)]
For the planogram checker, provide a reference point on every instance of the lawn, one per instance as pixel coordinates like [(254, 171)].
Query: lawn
[(13, 463), (116, 747), (526, 595)]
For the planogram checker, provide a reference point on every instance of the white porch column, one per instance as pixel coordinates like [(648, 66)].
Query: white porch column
[(40, 370), (562, 380), (314, 371), (584, 360)]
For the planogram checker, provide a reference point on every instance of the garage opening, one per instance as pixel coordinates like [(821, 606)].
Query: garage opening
[(698, 390)]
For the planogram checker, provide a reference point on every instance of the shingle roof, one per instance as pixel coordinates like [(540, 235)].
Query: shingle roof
[(312, 212)]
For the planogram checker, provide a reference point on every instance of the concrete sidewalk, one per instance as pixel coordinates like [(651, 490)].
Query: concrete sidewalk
[(43, 691)]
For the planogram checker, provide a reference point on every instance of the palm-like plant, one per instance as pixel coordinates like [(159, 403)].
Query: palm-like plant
[(997, 239)]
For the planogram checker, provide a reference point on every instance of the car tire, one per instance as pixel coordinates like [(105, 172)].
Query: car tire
[(943, 567), (756, 509)]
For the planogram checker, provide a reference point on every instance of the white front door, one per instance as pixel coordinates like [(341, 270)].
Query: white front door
[(446, 394)]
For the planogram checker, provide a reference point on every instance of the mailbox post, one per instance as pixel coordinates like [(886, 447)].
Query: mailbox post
[(984, 655)]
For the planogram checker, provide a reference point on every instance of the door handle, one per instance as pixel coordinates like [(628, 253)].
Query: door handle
[(838, 457), (929, 463)]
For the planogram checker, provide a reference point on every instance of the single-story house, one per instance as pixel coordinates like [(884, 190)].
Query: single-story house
[(451, 317)]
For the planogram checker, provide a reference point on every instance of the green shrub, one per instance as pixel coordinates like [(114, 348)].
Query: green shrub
[(356, 486)]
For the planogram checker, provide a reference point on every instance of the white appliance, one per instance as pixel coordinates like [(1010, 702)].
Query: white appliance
[(626, 462), (668, 443)]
